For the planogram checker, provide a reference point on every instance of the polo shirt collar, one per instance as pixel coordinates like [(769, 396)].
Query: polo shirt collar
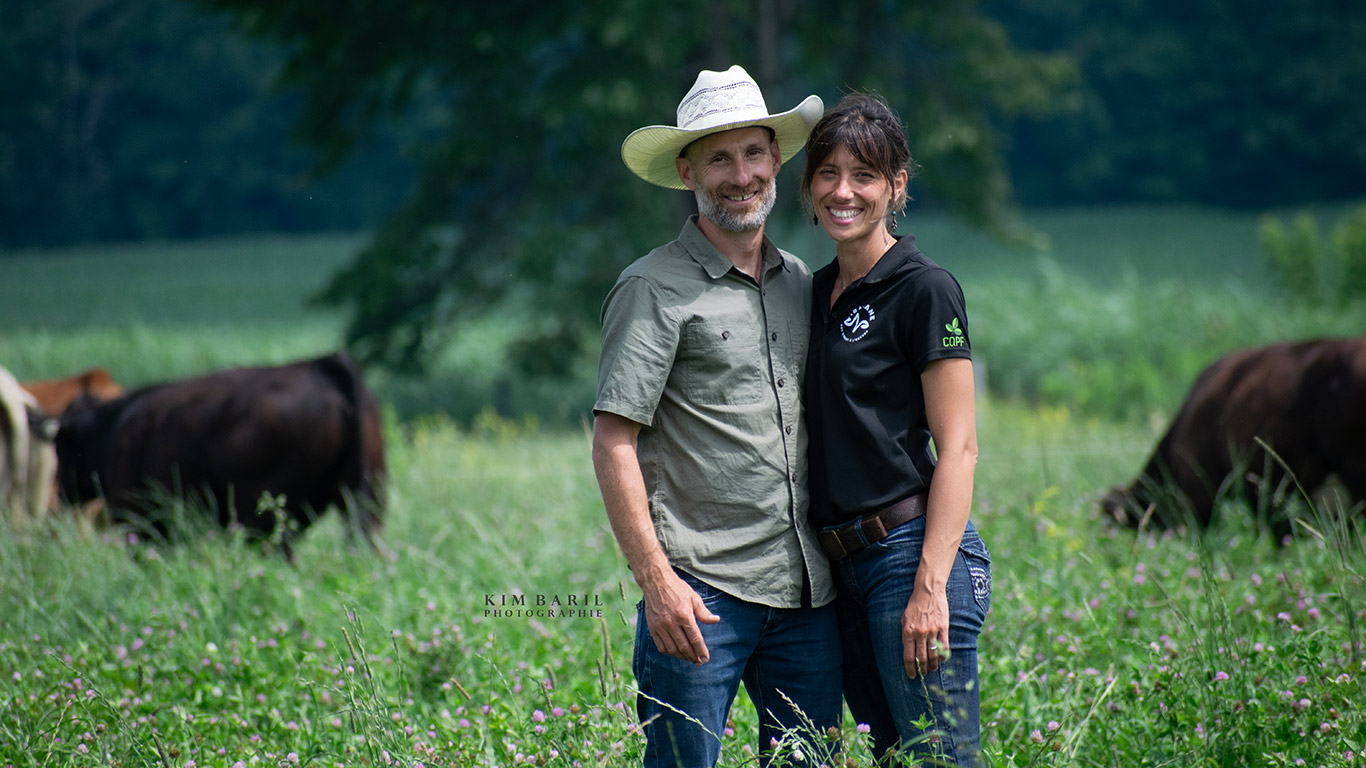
[(712, 260), (892, 261)]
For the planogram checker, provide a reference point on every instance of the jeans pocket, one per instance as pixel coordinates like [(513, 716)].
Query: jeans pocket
[(707, 592), (978, 561)]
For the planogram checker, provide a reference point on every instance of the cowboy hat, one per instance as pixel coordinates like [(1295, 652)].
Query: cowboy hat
[(718, 101)]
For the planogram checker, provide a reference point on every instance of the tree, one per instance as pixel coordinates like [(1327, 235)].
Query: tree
[(522, 194), (132, 119), (1245, 104)]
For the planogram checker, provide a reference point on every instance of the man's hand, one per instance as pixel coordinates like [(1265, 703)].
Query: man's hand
[(672, 608), (672, 611), (924, 631)]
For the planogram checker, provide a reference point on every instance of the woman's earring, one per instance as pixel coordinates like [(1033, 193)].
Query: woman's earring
[(815, 220), (893, 227)]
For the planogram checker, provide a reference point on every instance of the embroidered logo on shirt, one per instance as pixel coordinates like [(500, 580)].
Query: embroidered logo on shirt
[(955, 337), (855, 326)]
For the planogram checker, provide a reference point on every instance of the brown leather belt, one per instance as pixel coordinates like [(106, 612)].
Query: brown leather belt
[(841, 541)]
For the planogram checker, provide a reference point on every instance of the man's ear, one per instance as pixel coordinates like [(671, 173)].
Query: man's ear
[(777, 155), (685, 172)]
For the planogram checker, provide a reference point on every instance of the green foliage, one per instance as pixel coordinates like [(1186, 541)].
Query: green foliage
[(145, 119), (1349, 246), (1311, 271), (1184, 100), (1296, 255), (523, 205)]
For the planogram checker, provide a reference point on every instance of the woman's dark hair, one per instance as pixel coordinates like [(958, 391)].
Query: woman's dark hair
[(871, 131)]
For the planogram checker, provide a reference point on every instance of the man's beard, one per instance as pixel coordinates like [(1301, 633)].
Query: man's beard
[(712, 206)]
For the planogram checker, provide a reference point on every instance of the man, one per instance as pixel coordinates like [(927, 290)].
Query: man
[(699, 445)]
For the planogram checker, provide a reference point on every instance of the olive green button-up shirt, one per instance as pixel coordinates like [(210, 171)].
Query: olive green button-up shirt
[(710, 362)]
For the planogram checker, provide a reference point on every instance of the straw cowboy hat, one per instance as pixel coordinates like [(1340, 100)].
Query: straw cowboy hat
[(718, 101)]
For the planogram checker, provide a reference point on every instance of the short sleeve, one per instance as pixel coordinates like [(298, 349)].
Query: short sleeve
[(937, 325), (639, 342)]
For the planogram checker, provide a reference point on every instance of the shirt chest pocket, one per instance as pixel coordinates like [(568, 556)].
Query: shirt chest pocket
[(723, 361)]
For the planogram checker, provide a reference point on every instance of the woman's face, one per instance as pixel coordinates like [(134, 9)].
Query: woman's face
[(851, 198)]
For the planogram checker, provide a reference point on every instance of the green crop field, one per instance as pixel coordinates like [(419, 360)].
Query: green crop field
[(496, 627)]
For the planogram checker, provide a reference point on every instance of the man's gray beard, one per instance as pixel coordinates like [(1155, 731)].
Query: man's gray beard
[(713, 208)]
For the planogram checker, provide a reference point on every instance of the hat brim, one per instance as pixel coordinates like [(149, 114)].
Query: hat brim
[(650, 151)]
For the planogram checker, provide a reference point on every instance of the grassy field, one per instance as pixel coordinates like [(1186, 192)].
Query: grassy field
[(1103, 647)]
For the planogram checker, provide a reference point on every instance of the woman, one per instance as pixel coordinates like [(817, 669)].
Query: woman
[(889, 372)]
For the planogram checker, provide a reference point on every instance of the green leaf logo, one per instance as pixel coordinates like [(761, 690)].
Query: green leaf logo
[(955, 337)]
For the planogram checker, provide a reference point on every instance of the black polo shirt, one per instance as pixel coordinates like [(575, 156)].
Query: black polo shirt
[(870, 441)]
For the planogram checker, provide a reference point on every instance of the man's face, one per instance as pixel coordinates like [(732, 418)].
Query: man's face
[(732, 174)]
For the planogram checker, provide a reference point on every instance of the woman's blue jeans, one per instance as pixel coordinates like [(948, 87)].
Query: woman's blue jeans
[(874, 586), (786, 657)]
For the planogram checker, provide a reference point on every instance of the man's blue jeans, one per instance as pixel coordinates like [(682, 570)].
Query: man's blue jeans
[(776, 652), (874, 586)]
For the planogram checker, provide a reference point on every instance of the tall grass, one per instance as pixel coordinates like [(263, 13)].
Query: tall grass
[(1102, 647)]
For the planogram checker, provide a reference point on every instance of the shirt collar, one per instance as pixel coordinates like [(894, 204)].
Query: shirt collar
[(712, 260), (893, 259)]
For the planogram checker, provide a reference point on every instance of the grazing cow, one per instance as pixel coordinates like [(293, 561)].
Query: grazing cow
[(1306, 400), (27, 459), (309, 431), (54, 395)]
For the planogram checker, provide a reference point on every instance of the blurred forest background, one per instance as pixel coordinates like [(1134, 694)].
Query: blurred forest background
[(475, 146)]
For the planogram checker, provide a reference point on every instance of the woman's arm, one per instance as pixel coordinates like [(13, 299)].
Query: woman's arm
[(949, 408)]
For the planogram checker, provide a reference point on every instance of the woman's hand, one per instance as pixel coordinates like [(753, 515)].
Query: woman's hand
[(925, 631)]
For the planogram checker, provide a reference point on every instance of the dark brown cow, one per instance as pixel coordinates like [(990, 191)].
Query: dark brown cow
[(309, 431), (1306, 400), (54, 395)]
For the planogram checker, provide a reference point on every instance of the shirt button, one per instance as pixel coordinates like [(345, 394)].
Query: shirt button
[(774, 337), (782, 382), (789, 429), (725, 334)]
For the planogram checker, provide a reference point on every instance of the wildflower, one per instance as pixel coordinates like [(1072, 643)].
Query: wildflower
[(863, 728), (538, 716), (557, 712), (1053, 725), (1221, 675), (1035, 736)]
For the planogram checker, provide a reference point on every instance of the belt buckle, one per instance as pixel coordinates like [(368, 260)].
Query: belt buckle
[(834, 536), (873, 529)]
